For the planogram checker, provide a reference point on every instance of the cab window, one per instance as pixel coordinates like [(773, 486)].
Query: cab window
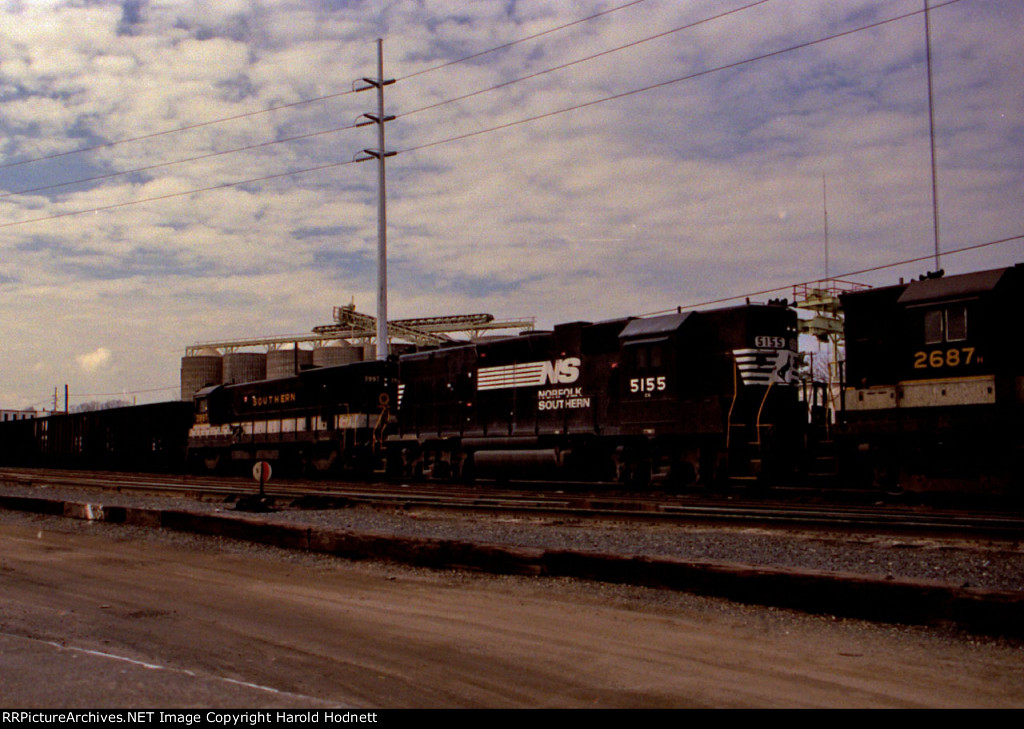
[(956, 323), (648, 356), (948, 324)]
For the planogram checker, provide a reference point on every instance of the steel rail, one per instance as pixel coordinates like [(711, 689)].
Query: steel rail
[(730, 511)]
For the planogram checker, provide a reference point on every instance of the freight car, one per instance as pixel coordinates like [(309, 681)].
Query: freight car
[(690, 396), (934, 396), (142, 438)]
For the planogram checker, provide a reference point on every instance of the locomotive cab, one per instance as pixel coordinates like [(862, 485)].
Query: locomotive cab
[(713, 391)]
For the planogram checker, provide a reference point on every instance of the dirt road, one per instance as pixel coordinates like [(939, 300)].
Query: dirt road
[(96, 617)]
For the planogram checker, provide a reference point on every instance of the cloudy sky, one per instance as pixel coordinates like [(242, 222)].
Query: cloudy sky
[(530, 181)]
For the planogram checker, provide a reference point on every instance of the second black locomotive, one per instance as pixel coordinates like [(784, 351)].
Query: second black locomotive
[(683, 397)]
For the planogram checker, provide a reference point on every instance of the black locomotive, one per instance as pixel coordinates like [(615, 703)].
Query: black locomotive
[(933, 398), (325, 419), (935, 393), (682, 397)]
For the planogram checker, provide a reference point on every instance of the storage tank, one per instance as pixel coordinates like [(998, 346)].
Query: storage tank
[(288, 362), (200, 370), (336, 354), (244, 367)]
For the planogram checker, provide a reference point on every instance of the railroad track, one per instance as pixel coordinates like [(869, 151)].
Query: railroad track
[(561, 499)]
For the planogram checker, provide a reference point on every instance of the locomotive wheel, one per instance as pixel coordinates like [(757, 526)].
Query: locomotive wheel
[(681, 474), (394, 464), (211, 461), (638, 475), (714, 468), (442, 470), (322, 460)]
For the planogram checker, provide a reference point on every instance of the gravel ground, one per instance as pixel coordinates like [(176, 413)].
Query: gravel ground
[(983, 564)]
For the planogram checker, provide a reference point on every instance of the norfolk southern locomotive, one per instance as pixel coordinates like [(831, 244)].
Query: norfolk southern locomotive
[(686, 396), (933, 398)]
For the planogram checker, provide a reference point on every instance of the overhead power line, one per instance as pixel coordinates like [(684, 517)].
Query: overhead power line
[(260, 145), (300, 102), (147, 168), (187, 127), (847, 275), (520, 40), (587, 58), (499, 127), (669, 82), (123, 392), (171, 195)]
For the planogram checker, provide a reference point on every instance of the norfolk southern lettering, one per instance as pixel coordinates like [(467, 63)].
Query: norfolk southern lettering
[(562, 398)]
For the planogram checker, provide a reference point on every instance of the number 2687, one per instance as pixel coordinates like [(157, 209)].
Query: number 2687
[(944, 358)]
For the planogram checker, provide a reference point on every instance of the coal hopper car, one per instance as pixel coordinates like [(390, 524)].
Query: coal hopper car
[(136, 438)]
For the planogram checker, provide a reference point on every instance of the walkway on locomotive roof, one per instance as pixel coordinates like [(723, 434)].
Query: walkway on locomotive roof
[(842, 594)]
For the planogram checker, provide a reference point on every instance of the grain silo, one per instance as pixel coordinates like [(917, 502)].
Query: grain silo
[(244, 367), (288, 362), (336, 354), (199, 370)]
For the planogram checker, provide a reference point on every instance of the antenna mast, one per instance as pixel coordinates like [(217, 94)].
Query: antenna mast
[(931, 130), (824, 204)]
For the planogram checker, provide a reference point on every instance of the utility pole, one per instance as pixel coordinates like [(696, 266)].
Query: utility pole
[(380, 154)]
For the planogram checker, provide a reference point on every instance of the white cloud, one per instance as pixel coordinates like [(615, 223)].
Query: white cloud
[(94, 361)]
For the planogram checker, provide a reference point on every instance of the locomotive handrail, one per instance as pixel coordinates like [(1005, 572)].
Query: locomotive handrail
[(380, 426), (760, 409), (732, 405)]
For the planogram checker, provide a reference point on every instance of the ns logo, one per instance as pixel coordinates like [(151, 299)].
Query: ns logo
[(561, 371)]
